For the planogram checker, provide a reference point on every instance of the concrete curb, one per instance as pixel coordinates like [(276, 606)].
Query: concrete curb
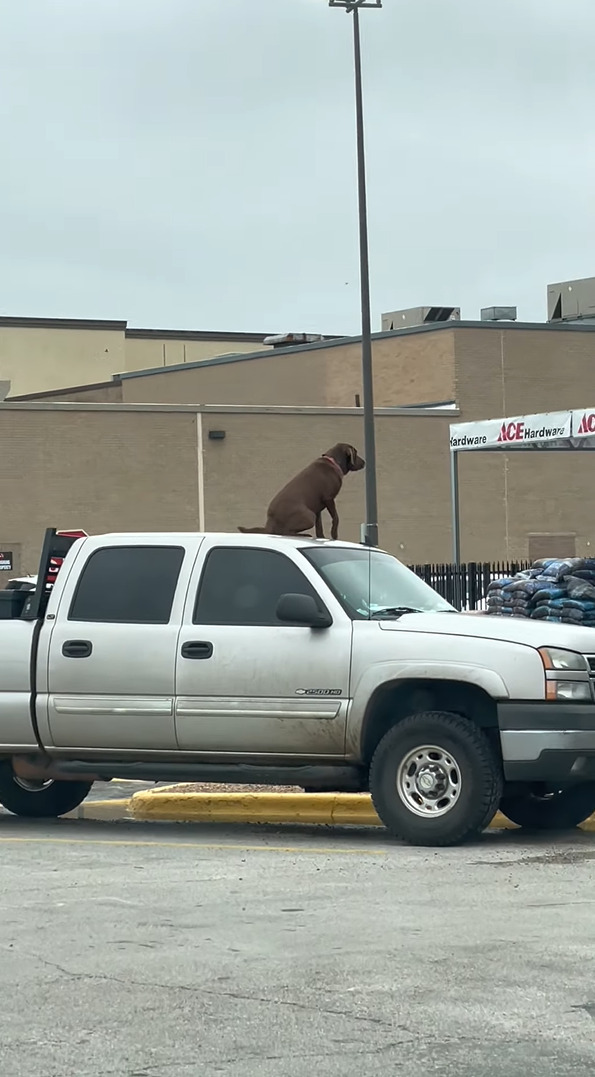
[(320, 809), (101, 809)]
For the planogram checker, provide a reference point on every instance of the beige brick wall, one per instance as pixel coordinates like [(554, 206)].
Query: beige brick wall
[(261, 452), (141, 353), (507, 496), (407, 370), (119, 470), (35, 360), (102, 471), (278, 379), (413, 369)]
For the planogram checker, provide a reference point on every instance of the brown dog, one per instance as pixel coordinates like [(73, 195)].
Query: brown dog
[(298, 506)]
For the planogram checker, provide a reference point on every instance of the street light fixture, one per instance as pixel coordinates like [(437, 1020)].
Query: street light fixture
[(370, 536)]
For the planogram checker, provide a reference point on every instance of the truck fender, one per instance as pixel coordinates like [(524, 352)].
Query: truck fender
[(386, 672), (382, 672)]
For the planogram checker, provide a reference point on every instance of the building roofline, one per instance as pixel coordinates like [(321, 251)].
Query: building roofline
[(201, 334), (224, 409), (7, 322), (116, 326), (338, 342)]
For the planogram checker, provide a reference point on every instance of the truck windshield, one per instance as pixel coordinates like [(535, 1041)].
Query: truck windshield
[(373, 585)]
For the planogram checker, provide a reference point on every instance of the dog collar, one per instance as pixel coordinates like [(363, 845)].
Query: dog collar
[(335, 465)]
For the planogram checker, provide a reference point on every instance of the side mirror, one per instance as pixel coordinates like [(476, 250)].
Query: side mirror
[(302, 610)]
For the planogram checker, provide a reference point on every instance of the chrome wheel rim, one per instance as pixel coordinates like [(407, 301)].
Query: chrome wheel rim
[(32, 786), (429, 781)]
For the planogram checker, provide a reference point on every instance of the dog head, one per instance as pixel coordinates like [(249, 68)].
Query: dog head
[(346, 457)]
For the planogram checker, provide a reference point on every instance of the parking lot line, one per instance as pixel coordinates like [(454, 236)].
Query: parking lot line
[(237, 847)]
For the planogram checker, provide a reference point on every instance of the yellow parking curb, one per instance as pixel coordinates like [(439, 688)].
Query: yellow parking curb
[(324, 809), (320, 808)]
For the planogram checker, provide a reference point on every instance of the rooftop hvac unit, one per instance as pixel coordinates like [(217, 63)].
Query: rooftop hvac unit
[(571, 301), (404, 319)]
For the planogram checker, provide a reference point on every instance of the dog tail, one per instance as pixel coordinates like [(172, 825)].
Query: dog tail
[(252, 530)]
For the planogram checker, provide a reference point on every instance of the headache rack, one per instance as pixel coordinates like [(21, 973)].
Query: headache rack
[(56, 545)]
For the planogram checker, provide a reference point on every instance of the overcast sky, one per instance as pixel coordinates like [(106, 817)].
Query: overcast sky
[(191, 163)]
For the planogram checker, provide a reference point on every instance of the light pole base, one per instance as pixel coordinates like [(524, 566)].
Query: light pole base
[(369, 534)]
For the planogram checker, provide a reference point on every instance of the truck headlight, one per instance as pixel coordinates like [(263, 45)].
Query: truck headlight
[(566, 675), (554, 658), (570, 691)]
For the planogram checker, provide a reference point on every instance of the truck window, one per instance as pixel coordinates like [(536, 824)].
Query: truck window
[(128, 584), (243, 586)]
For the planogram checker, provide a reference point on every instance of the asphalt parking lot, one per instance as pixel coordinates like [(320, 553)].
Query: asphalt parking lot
[(143, 950)]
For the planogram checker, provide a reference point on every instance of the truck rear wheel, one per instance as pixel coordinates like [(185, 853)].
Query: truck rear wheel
[(560, 810), (435, 779), (39, 799)]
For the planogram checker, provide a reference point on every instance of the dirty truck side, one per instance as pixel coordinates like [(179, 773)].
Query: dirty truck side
[(287, 661)]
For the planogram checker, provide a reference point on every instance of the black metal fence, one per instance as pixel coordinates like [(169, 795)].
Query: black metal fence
[(466, 586)]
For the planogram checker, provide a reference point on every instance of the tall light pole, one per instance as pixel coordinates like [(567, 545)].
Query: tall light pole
[(370, 536)]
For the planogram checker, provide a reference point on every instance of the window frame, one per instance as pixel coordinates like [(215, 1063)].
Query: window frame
[(255, 549), (136, 547)]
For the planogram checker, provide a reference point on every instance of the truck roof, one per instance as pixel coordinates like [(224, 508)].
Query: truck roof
[(238, 537)]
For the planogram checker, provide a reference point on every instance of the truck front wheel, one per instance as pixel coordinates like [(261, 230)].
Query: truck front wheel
[(435, 779), (562, 810), (39, 799)]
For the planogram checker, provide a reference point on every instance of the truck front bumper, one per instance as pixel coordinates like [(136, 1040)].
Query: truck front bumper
[(547, 742)]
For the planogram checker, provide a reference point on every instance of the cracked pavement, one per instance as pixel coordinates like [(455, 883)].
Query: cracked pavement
[(140, 950)]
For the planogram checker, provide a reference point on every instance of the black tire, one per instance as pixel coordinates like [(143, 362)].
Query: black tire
[(43, 800), (462, 749), (563, 810)]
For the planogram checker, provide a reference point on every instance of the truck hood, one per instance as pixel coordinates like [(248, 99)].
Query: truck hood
[(507, 629)]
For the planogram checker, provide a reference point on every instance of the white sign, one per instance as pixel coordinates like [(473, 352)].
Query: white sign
[(519, 432), (583, 423)]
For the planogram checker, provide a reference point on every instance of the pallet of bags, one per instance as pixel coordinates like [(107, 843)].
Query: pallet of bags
[(513, 596), (553, 589)]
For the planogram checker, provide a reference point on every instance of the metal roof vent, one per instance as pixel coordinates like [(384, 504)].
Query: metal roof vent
[(499, 314)]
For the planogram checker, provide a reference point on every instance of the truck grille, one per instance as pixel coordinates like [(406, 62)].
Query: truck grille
[(591, 660)]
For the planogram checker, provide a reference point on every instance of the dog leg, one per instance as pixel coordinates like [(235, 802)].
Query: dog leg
[(319, 527), (334, 515)]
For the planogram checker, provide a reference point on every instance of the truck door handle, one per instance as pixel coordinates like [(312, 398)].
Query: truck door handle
[(196, 649), (77, 648)]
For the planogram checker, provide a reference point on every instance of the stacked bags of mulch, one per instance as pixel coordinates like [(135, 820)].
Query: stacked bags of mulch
[(551, 590)]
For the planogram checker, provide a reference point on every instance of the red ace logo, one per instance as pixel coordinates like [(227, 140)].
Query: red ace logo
[(587, 424), (511, 432)]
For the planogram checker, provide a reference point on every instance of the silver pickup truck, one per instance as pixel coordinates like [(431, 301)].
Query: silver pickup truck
[(255, 659)]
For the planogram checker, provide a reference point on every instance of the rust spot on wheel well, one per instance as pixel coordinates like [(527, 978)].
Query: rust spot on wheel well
[(398, 699)]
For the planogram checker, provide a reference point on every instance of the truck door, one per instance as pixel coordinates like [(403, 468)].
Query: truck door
[(111, 651), (245, 682)]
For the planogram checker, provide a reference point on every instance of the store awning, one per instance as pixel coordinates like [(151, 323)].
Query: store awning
[(549, 430)]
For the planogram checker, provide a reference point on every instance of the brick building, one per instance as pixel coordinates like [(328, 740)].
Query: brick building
[(129, 437)]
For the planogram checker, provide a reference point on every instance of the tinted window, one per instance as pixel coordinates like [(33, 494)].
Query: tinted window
[(129, 584), (243, 587)]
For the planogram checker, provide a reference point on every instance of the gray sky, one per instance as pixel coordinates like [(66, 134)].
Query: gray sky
[(191, 163)]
